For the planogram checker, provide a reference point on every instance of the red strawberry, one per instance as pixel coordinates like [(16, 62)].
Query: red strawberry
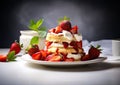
[(48, 53), (79, 44), (15, 47), (65, 25), (94, 52), (33, 49), (58, 29), (44, 54), (74, 30), (9, 57), (48, 44), (37, 56), (53, 57), (73, 43), (65, 44), (49, 57), (75, 46), (64, 56), (86, 57), (3, 58), (52, 30)]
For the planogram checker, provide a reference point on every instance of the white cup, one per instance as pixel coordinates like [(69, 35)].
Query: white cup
[(27, 35), (116, 47)]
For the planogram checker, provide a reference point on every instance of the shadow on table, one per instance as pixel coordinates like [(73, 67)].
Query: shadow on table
[(80, 68)]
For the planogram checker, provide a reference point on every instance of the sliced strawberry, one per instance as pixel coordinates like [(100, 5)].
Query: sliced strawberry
[(33, 49), (75, 46), (44, 54), (53, 57), (48, 57), (79, 44), (73, 43), (74, 29), (48, 44), (94, 52), (48, 53), (15, 46), (85, 58), (37, 56), (52, 30), (58, 29), (65, 44), (64, 56), (69, 60), (3, 58), (57, 51)]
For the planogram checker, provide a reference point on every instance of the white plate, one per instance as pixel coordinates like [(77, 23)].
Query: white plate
[(28, 58)]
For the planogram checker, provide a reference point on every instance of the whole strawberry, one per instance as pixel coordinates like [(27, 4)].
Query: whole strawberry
[(65, 25), (15, 46), (9, 57), (32, 49), (94, 52)]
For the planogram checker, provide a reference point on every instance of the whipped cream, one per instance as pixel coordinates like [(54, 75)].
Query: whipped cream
[(78, 37), (58, 45), (64, 33), (67, 35), (55, 33), (74, 56)]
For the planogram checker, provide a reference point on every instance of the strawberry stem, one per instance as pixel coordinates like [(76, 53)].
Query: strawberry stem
[(98, 46), (62, 19)]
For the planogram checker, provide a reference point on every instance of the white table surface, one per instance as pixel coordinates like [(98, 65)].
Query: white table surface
[(23, 73)]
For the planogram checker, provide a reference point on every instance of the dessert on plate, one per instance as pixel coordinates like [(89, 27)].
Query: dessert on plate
[(63, 43)]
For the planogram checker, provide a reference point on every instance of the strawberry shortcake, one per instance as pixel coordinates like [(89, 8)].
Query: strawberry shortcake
[(65, 41)]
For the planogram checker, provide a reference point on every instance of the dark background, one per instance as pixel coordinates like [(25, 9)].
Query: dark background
[(96, 19)]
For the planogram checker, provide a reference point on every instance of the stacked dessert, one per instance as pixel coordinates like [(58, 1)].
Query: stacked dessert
[(65, 41)]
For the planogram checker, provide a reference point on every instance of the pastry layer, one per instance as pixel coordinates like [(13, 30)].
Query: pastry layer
[(57, 38), (64, 50)]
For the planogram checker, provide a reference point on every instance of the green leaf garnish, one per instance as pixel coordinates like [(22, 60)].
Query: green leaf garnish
[(34, 40), (32, 22), (63, 18), (11, 56), (42, 28), (39, 23), (35, 25)]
